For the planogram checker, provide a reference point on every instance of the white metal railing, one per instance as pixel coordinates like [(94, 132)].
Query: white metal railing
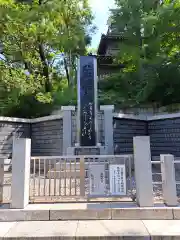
[(5, 179), (155, 162), (61, 177)]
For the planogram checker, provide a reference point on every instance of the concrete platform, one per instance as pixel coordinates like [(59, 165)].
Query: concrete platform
[(99, 229), (88, 211)]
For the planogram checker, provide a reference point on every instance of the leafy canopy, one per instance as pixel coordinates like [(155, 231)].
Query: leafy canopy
[(150, 50), (37, 40)]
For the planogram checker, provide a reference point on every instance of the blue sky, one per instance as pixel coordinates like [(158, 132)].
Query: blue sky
[(101, 11)]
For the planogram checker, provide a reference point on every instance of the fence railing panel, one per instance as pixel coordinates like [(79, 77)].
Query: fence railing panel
[(54, 176), (64, 177), (157, 176), (177, 174), (157, 179)]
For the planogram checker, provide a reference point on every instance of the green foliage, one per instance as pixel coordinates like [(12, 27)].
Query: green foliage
[(33, 72), (150, 50)]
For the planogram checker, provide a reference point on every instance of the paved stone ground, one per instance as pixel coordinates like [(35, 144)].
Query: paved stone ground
[(99, 229)]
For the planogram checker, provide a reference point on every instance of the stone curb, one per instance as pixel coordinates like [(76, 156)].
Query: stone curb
[(56, 214)]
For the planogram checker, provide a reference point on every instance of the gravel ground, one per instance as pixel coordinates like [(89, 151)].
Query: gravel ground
[(50, 190)]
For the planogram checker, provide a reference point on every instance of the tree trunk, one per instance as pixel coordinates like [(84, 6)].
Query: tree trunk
[(45, 68), (67, 72)]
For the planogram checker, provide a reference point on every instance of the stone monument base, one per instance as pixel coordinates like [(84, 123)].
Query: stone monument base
[(78, 150)]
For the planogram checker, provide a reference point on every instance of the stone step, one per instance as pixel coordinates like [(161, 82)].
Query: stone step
[(87, 211), (102, 229)]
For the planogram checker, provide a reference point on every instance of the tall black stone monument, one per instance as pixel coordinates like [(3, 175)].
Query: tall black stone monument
[(87, 101)]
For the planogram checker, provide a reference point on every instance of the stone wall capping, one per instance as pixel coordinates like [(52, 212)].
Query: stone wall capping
[(107, 107), (130, 116), (47, 118), (68, 108), (34, 120), (164, 116), (143, 117), (12, 119)]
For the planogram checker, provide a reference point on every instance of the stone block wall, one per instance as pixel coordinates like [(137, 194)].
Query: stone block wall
[(124, 131), (165, 136), (47, 134), (8, 129), (47, 138)]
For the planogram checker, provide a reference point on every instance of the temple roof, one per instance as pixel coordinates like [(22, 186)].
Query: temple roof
[(105, 39)]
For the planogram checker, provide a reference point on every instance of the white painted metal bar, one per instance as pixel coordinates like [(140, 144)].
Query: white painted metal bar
[(75, 192), (65, 177), (60, 178), (91, 156), (39, 178), (34, 176), (49, 175), (44, 177), (70, 177), (55, 176)]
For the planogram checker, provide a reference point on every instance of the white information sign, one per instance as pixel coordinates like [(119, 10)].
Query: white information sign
[(97, 179), (117, 176)]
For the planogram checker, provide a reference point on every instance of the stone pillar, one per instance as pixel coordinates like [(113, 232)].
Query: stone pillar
[(21, 157), (108, 128), (168, 180), (87, 114), (1, 178), (143, 171), (67, 127)]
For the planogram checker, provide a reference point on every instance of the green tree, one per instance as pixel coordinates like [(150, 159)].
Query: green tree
[(150, 48), (38, 39)]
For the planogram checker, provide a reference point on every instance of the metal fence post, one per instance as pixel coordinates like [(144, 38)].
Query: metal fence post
[(82, 176), (143, 171), (20, 172), (168, 180)]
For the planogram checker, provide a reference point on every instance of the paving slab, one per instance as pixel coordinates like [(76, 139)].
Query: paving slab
[(99, 229), (5, 227), (11, 215), (111, 229), (163, 228), (43, 230)]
